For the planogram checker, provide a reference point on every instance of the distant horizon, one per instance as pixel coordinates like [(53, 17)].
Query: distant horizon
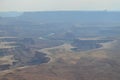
[(65, 11), (18, 13)]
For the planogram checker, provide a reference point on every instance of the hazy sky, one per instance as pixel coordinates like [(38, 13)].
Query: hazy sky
[(48, 5)]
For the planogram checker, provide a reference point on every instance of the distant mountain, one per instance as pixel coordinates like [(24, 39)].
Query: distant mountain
[(72, 16), (10, 14)]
